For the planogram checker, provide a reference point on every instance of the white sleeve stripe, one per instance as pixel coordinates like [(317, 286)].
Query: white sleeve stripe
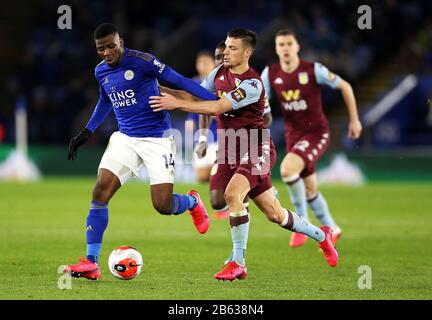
[(325, 77), (266, 81)]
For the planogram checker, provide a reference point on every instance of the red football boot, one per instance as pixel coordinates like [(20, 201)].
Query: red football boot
[(330, 253), (231, 271), (199, 213), (91, 275), (297, 239), (84, 269), (221, 214)]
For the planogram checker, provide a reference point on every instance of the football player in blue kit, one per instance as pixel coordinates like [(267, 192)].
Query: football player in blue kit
[(127, 78)]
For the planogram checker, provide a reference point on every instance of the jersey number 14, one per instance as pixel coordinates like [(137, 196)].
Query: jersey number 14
[(169, 161)]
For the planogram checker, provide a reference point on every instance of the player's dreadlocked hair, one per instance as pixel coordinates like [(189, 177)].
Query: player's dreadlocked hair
[(103, 30), (248, 37)]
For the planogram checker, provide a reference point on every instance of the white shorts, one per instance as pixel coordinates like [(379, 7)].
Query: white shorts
[(125, 156), (209, 158)]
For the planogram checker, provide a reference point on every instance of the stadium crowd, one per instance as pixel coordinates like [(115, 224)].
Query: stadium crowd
[(54, 76)]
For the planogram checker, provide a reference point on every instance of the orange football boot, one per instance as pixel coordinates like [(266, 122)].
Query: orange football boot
[(298, 239), (220, 215)]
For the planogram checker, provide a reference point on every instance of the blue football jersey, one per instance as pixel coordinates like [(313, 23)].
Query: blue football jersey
[(127, 88)]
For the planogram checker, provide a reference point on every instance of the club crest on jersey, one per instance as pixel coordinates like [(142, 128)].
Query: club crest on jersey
[(129, 74), (303, 78), (238, 95)]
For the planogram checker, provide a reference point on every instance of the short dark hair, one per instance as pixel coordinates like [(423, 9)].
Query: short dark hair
[(104, 29), (286, 32), (248, 37), (221, 45)]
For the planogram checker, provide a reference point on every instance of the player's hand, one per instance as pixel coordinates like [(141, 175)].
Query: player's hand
[(354, 129), (201, 149), (78, 141), (164, 102)]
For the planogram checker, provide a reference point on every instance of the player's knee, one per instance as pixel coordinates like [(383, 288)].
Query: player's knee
[(101, 194), (287, 171), (203, 178), (231, 198)]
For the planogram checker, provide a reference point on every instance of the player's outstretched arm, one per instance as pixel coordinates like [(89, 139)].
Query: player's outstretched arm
[(180, 94), (355, 127), (179, 81), (169, 102)]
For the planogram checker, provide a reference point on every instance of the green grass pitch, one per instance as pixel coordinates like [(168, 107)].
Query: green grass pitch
[(385, 226)]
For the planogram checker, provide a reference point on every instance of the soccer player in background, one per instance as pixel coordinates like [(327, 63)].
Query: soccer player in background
[(240, 110), (127, 78), (296, 84), (204, 65)]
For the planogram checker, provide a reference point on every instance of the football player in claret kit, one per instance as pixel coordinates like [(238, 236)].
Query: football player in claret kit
[(296, 84), (217, 190), (127, 78), (240, 114)]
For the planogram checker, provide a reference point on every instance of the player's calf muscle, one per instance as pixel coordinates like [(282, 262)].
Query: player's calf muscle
[(163, 205), (164, 209), (103, 193), (270, 206)]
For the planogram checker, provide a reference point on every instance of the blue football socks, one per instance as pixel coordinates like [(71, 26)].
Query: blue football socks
[(182, 202), (96, 224)]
